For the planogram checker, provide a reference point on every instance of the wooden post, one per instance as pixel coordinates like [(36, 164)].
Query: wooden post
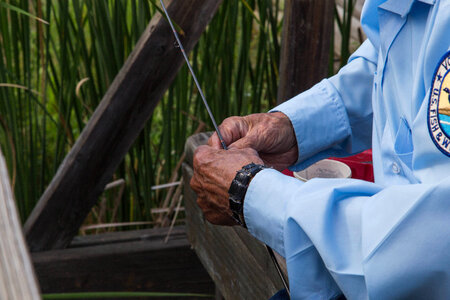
[(237, 262), (305, 49), (115, 125), (17, 280)]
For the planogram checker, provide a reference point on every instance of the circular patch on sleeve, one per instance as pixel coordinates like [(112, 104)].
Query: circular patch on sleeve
[(439, 106)]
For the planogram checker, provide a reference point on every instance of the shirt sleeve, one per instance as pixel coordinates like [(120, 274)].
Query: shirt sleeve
[(349, 235), (346, 235), (334, 118)]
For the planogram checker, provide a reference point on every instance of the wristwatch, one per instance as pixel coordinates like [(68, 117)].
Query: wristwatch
[(238, 189)]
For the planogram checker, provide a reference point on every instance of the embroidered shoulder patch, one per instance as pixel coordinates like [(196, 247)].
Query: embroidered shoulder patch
[(439, 106)]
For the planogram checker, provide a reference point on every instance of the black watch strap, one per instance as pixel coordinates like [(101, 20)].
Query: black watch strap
[(238, 189)]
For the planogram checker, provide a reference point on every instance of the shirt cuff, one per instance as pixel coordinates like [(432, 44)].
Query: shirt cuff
[(264, 206), (319, 119)]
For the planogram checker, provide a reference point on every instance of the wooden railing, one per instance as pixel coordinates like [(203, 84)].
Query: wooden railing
[(237, 262), (17, 280), (114, 126)]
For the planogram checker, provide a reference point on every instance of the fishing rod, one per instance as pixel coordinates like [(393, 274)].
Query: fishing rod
[(211, 116)]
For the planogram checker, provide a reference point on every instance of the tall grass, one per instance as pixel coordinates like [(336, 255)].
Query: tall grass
[(52, 77), (344, 24)]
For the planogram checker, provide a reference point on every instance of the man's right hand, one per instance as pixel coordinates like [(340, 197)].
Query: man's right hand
[(270, 134)]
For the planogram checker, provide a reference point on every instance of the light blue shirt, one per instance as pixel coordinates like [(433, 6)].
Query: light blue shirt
[(384, 240)]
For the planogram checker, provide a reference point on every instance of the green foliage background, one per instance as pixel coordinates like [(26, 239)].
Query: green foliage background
[(52, 77)]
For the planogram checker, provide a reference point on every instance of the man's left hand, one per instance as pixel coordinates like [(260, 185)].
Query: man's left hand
[(214, 170)]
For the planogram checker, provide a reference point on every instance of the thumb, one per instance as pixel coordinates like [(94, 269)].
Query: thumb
[(214, 141)]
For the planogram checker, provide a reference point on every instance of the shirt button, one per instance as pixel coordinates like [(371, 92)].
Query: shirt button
[(395, 168)]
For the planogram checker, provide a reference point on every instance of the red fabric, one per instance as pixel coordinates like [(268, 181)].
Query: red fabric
[(288, 172), (360, 164)]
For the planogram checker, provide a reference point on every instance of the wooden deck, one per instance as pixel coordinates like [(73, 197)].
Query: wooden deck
[(124, 261)]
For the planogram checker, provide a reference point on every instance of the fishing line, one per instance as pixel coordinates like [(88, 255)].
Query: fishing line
[(178, 44)]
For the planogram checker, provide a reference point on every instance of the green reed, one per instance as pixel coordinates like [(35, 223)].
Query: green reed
[(122, 295), (55, 74), (52, 77)]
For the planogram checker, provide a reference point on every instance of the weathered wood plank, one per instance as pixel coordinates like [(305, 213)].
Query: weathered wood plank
[(115, 125), (153, 234), (305, 50), (17, 280), (125, 261), (237, 262)]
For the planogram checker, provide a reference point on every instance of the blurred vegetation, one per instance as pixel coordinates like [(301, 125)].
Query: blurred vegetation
[(123, 295), (56, 65)]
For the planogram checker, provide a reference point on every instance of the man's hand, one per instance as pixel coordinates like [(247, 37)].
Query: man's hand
[(214, 170), (270, 134)]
